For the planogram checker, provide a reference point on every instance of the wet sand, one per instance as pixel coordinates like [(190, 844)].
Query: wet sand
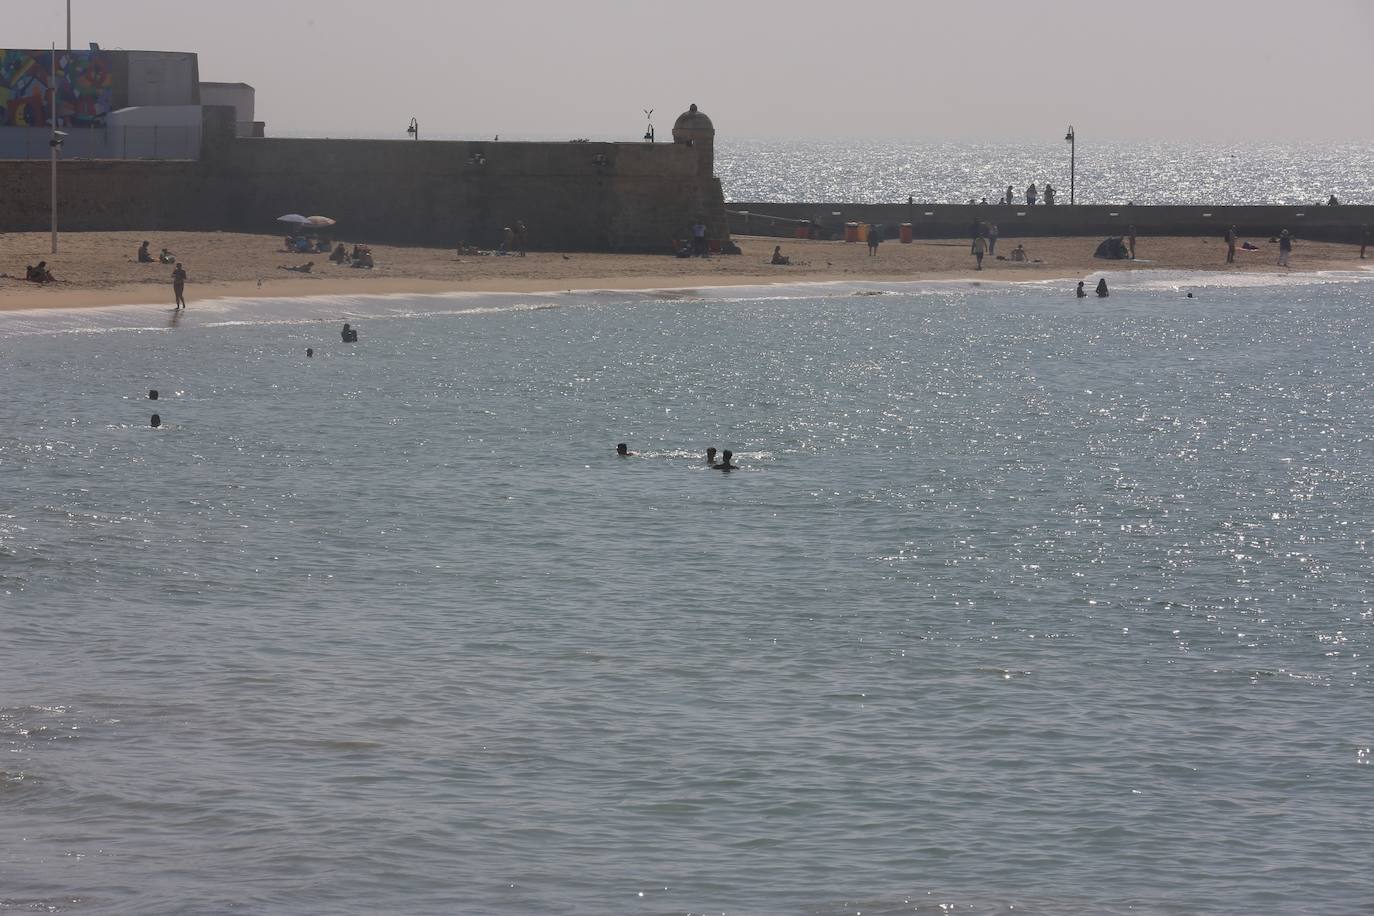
[(100, 268)]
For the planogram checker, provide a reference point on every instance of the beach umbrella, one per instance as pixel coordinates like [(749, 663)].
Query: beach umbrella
[(318, 221), (293, 218)]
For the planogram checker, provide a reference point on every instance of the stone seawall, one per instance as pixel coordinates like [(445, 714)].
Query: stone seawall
[(1340, 223), (572, 196)]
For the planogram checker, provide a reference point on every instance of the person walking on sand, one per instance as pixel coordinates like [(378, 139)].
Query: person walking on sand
[(979, 245), (179, 285), (521, 236), (992, 239), (1231, 245), (875, 236), (1285, 247), (1130, 239)]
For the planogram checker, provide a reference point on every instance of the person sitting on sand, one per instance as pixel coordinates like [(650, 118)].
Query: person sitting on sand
[(1102, 289), (144, 255), (1081, 293), (364, 260), (1018, 253), (340, 254), (725, 463), (39, 274), (779, 257), (300, 268), (166, 257)]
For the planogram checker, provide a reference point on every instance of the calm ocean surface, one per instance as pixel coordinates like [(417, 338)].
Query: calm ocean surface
[(1018, 605), (888, 171)]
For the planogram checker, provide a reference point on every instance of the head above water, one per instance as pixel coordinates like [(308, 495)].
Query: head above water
[(622, 449)]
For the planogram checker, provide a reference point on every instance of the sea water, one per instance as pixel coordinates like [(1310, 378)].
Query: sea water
[(1017, 604)]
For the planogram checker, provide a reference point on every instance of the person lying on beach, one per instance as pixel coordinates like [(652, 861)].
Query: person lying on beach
[(779, 257), (144, 255), (340, 254), (1246, 246), (301, 268), (39, 274)]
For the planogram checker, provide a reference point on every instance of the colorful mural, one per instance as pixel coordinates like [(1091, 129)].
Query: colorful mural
[(85, 87)]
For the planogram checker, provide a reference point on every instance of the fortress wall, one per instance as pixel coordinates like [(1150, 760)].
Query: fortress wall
[(108, 195), (1340, 223), (572, 196)]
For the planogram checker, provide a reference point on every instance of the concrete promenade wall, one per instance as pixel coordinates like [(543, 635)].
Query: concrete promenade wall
[(572, 196), (1341, 223)]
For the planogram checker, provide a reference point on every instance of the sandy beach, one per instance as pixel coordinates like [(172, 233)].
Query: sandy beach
[(100, 268)]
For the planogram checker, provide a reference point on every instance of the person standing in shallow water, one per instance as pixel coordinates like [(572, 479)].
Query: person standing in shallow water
[(1082, 294), (1102, 289), (179, 285), (725, 463)]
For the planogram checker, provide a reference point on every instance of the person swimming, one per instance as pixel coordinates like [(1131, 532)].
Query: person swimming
[(1102, 289), (711, 455), (349, 333), (623, 450), (725, 463), (1081, 293)]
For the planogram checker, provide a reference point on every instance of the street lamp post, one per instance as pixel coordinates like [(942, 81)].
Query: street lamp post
[(54, 141), (1070, 138)]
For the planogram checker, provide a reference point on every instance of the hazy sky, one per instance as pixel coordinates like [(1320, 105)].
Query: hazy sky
[(1120, 69)]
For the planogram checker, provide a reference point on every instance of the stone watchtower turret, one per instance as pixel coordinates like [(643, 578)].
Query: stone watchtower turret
[(696, 130)]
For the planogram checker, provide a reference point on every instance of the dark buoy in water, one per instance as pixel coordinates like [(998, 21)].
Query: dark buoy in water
[(152, 394), (309, 351), (156, 420)]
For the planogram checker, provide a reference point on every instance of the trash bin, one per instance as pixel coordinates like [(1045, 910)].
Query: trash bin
[(864, 229), (851, 232), (905, 230)]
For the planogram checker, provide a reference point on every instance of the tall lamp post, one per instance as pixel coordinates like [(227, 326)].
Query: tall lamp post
[(1070, 138), (54, 142)]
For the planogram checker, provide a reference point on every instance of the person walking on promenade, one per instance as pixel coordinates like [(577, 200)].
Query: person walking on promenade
[(1010, 194), (1364, 240), (1031, 194), (992, 239), (1049, 194), (1285, 247), (1231, 245), (979, 245), (1130, 239), (179, 285)]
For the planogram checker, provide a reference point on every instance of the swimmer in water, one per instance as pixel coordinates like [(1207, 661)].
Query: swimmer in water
[(711, 455), (1102, 289), (725, 463), (1081, 294), (623, 450)]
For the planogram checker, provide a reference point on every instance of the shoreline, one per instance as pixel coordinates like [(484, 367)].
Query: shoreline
[(96, 270)]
